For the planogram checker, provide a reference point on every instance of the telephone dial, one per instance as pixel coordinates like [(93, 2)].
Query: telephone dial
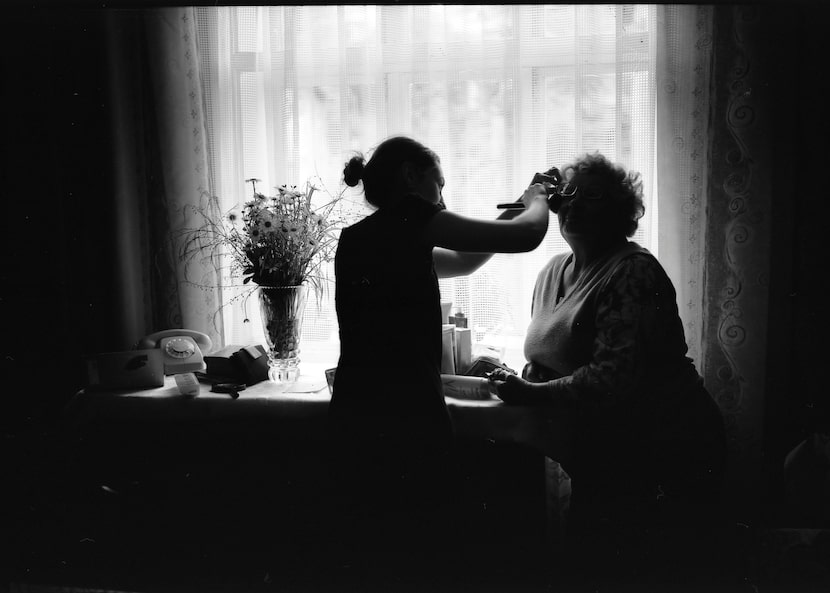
[(182, 349)]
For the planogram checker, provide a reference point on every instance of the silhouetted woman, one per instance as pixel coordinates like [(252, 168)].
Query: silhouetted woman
[(390, 426)]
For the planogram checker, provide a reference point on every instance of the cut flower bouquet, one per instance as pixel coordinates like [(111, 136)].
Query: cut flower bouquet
[(278, 245), (278, 240)]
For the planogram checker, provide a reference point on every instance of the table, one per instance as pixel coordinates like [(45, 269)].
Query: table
[(239, 460), (266, 402)]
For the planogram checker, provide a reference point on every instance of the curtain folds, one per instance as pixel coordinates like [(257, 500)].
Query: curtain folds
[(160, 162), (131, 226)]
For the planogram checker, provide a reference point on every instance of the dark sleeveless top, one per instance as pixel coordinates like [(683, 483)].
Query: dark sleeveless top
[(388, 382)]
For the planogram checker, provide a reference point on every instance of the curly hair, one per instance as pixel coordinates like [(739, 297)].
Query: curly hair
[(382, 175), (624, 189)]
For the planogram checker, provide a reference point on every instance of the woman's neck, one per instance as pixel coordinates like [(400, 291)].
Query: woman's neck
[(588, 252)]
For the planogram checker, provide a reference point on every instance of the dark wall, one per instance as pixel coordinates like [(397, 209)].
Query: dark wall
[(56, 182), (797, 351)]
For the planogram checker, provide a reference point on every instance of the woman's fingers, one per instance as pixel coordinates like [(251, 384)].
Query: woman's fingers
[(533, 192), (508, 387)]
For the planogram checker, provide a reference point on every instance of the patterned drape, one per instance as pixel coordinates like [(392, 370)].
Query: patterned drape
[(738, 236)]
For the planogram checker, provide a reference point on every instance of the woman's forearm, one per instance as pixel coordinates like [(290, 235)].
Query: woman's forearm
[(449, 263)]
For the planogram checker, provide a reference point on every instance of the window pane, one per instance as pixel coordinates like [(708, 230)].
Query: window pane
[(498, 91)]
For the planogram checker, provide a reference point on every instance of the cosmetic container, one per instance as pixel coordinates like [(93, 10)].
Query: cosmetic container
[(464, 387)]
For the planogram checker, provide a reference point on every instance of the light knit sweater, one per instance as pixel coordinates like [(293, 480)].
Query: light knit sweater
[(615, 334)]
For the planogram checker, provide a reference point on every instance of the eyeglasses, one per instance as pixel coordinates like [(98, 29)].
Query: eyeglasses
[(558, 192), (567, 191)]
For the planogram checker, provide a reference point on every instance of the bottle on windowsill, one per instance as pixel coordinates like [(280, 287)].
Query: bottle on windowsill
[(458, 319)]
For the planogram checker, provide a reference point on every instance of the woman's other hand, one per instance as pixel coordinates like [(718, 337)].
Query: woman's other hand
[(534, 192), (512, 389)]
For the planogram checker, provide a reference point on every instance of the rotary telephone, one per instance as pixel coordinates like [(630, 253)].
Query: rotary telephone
[(182, 349)]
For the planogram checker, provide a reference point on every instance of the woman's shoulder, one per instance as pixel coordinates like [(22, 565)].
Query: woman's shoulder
[(636, 264), (555, 263), (412, 207), (635, 256), (558, 260), (366, 224), (547, 273), (360, 235), (392, 223), (632, 249)]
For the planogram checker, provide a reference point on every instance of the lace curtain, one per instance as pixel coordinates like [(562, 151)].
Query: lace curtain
[(498, 91)]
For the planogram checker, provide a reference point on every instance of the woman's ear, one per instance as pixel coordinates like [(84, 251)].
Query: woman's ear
[(410, 174)]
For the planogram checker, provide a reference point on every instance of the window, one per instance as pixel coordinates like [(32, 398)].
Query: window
[(499, 92)]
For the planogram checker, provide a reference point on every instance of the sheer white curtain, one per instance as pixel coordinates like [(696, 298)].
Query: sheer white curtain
[(683, 46), (499, 92)]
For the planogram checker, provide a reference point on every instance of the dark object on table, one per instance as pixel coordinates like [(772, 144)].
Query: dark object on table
[(232, 389), (237, 364), (482, 365)]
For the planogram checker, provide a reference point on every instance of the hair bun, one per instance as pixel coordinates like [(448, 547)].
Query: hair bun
[(353, 172)]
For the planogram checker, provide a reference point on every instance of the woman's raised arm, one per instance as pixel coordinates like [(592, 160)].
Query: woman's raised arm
[(463, 244)]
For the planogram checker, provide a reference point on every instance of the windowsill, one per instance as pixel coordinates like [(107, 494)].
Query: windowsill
[(302, 416), (316, 355), (324, 355)]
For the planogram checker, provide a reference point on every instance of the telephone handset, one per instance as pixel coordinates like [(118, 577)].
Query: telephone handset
[(182, 349)]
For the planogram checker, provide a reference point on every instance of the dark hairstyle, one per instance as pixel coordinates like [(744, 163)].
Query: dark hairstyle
[(624, 189), (382, 175)]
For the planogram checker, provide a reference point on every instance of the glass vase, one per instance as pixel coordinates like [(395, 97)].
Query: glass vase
[(281, 309)]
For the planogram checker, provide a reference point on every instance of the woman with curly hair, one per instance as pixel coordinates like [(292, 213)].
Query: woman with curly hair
[(606, 351)]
